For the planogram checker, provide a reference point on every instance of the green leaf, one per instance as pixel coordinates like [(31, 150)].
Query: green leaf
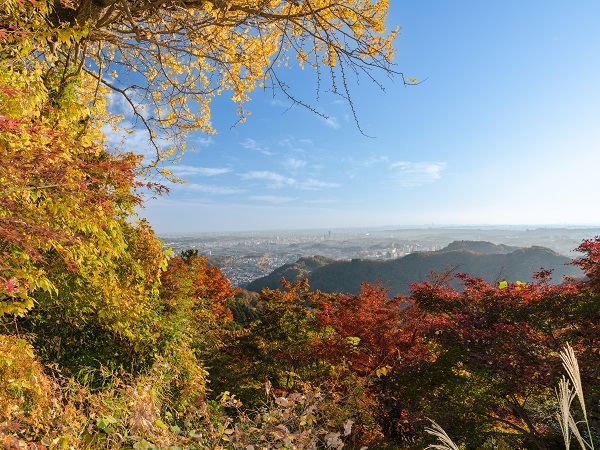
[(110, 419), (353, 340), (104, 423), (63, 442), (143, 445), (382, 371)]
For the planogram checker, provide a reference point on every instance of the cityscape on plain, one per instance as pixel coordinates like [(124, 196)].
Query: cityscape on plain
[(246, 256)]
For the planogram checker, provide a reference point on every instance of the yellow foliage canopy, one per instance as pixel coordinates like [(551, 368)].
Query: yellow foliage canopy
[(170, 59), (66, 207)]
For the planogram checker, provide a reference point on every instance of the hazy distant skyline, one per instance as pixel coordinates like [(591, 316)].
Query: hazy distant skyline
[(505, 130)]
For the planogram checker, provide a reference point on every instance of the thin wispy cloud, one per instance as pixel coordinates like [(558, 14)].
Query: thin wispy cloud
[(118, 104), (356, 168), (186, 171), (137, 142), (410, 174), (332, 122), (275, 180), (297, 145), (367, 161), (315, 185), (295, 164), (281, 104), (321, 201), (212, 189), (130, 135), (274, 199), (255, 146), (204, 142), (119, 138)]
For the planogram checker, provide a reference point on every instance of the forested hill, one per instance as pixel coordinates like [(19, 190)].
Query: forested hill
[(479, 259)]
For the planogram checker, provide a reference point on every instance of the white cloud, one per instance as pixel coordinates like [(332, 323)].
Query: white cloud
[(130, 134), (411, 174), (204, 142), (272, 199), (323, 201), (253, 145), (369, 161), (276, 179), (212, 189), (281, 104), (314, 185), (296, 145), (331, 122), (118, 104), (137, 142), (184, 170), (363, 162), (295, 164)]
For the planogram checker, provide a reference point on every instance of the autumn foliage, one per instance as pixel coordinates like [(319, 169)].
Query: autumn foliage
[(109, 341), (480, 358)]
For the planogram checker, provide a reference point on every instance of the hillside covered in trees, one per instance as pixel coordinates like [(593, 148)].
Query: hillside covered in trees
[(485, 260), (108, 342)]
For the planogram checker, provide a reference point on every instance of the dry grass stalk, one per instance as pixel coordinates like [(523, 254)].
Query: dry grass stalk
[(445, 441), (145, 412), (571, 366), (566, 395)]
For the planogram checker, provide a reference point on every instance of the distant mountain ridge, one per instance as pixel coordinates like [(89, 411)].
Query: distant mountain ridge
[(482, 259), (480, 247)]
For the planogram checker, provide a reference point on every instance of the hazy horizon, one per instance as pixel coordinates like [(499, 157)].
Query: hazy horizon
[(392, 228)]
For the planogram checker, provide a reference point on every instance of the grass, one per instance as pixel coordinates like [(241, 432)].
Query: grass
[(567, 391), (445, 441)]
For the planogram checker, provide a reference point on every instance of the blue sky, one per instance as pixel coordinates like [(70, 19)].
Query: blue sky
[(505, 130)]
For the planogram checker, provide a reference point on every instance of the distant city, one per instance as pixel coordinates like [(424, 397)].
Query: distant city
[(244, 257)]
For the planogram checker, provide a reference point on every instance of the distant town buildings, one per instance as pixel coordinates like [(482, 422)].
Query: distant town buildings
[(246, 257), (243, 257)]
